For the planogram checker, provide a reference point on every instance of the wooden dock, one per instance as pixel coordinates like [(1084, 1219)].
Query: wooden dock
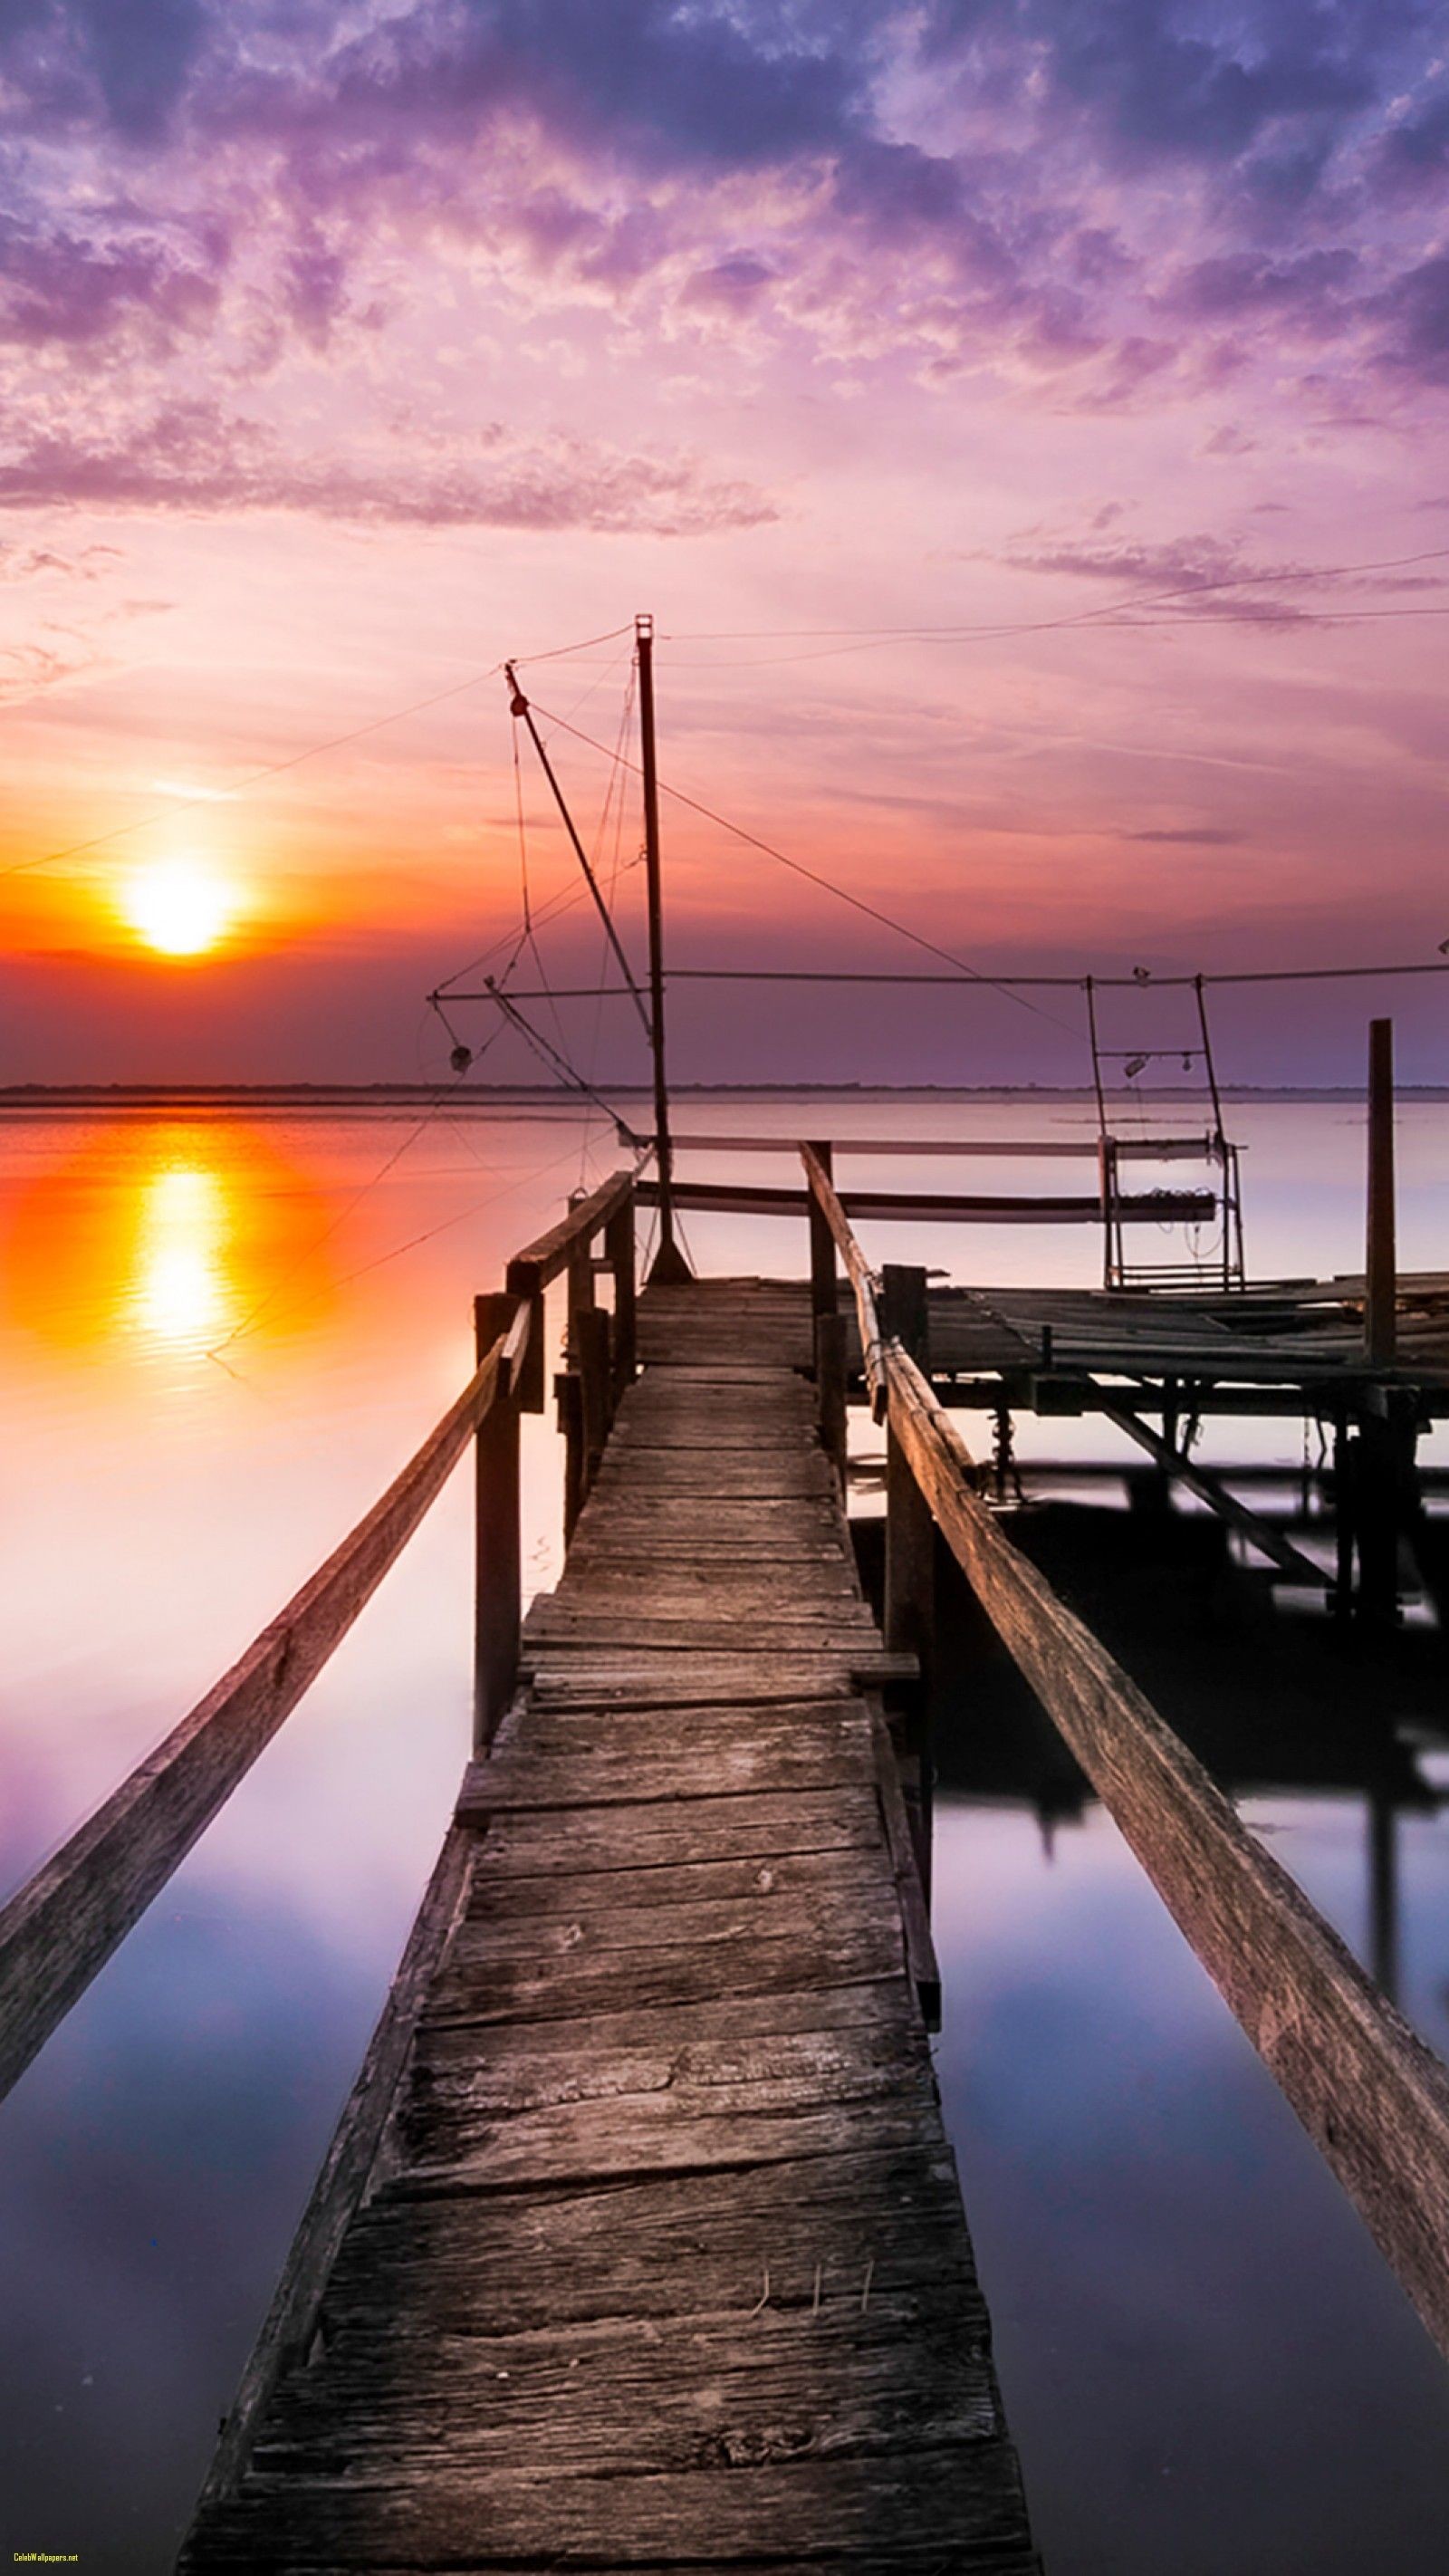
[(664, 2262), (639, 2243)]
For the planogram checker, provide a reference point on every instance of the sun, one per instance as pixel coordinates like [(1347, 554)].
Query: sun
[(178, 907)]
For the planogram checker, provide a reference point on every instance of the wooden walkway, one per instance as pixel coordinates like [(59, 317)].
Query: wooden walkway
[(662, 2263)]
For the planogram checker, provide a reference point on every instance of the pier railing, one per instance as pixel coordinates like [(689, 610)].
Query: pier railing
[(1372, 2097), (60, 1928)]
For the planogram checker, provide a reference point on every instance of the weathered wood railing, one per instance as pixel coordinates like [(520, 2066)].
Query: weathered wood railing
[(58, 1930), (1372, 2097)]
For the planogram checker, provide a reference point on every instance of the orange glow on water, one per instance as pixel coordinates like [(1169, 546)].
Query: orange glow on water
[(160, 1239)]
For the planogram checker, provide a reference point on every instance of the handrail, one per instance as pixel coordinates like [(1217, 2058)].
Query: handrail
[(1372, 2097), (914, 1207), (1175, 1149), (548, 1256), (58, 1930), (859, 1273)]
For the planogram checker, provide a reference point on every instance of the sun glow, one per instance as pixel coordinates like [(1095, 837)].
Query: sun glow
[(179, 908)]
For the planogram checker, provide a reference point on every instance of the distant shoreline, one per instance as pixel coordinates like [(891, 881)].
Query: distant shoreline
[(38, 1099)]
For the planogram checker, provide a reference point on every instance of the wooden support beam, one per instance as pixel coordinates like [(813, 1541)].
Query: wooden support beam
[(821, 1193), (619, 1248), (830, 1389), (822, 1241), (1175, 1462), (905, 1862), (498, 1556), (569, 1393), (589, 1354), (63, 1925), (521, 1280), (1145, 1207), (548, 1255), (910, 1559), (1373, 2098), (1380, 1321)]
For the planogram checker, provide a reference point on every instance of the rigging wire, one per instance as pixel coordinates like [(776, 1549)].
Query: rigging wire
[(613, 795), (294, 760), (253, 1317), (1132, 599), (857, 903), (520, 708)]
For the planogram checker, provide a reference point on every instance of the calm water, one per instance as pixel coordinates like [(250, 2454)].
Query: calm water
[(1206, 2366)]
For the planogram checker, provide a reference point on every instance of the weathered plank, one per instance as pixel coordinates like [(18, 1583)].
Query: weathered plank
[(548, 1256), (728, 2391), (510, 1897), (667, 1678), (663, 2263), (667, 1833), (1374, 2099), (903, 2512)]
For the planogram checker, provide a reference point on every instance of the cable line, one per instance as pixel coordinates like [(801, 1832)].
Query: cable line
[(798, 868), (519, 707)]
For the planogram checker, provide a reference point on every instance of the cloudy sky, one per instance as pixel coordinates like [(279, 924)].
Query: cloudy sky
[(1024, 418)]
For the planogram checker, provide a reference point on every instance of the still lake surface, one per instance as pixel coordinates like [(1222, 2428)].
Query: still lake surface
[(219, 1339)]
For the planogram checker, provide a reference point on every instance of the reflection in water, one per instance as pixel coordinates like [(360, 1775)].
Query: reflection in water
[(181, 1291), (163, 1236), (1207, 2366)]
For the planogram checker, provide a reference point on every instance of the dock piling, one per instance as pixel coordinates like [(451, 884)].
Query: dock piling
[(498, 1599)]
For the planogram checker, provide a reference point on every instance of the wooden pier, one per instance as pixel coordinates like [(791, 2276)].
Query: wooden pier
[(640, 2242), (663, 2259)]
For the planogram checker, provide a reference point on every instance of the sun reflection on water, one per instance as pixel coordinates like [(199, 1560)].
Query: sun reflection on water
[(159, 1238), (182, 1291)]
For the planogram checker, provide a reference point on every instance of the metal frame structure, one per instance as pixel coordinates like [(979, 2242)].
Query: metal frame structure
[(1210, 1145)]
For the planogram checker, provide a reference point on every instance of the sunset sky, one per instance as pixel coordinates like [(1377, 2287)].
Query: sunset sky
[(350, 348)]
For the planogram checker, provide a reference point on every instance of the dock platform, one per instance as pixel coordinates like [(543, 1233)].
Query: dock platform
[(663, 2262)]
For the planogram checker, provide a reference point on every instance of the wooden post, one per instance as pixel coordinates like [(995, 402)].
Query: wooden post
[(569, 1392), (910, 1566), (521, 1280), (670, 1266), (589, 1353), (1381, 1286), (827, 1327), (830, 1389), (1345, 1517), (498, 1589), (822, 1245), (619, 1246)]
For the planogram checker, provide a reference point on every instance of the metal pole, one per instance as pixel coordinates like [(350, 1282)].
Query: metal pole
[(669, 1262)]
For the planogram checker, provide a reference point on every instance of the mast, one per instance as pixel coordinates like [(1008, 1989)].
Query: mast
[(670, 1265)]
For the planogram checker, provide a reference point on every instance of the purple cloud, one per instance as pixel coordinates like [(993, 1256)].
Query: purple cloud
[(192, 456), (57, 285)]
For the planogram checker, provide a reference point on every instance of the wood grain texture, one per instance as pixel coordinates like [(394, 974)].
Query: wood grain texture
[(664, 2263), (1373, 2098)]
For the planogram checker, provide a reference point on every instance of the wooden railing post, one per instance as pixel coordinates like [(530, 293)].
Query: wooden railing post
[(619, 1247), (910, 1558), (822, 1244), (827, 1326), (1380, 1286), (521, 1279), (498, 1602), (568, 1388), (589, 1354)]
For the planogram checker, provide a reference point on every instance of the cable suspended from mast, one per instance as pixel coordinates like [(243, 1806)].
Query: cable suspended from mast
[(519, 707)]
